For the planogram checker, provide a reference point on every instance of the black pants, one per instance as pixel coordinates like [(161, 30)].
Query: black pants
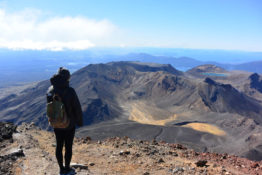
[(64, 137)]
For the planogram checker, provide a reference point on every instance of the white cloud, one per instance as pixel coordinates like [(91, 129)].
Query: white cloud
[(29, 29)]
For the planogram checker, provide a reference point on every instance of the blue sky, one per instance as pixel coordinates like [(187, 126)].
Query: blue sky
[(81, 24)]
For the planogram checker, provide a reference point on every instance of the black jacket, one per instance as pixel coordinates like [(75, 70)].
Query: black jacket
[(72, 105)]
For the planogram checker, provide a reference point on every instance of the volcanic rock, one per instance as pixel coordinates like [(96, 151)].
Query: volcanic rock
[(201, 163)]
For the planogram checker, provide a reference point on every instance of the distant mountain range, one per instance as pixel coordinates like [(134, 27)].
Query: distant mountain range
[(185, 63), (156, 101), (18, 67)]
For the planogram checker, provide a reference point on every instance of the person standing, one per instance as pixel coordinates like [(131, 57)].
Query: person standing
[(65, 136)]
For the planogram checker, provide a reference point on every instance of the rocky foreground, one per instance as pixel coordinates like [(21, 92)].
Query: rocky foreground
[(29, 150)]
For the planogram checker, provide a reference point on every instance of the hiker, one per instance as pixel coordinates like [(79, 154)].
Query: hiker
[(65, 136)]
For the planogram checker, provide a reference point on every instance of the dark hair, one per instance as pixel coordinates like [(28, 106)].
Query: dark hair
[(64, 72)]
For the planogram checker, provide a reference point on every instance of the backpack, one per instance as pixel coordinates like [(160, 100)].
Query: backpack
[(56, 113)]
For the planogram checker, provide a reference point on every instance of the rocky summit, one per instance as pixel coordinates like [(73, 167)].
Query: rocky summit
[(32, 151)]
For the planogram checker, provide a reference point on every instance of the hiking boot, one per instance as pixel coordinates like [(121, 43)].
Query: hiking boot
[(62, 172), (70, 171)]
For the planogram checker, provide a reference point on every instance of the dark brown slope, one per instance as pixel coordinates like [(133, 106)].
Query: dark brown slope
[(146, 101), (224, 98), (250, 84), (253, 85), (27, 105), (100, 86), (96, 86)]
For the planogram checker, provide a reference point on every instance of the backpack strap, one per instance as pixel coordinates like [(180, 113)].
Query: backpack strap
[(56, 97), (59, 94)]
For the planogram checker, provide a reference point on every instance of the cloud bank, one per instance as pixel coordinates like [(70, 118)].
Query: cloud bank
[(30, 29)]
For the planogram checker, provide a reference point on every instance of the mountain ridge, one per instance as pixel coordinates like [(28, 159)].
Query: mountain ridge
[(145, 101)]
